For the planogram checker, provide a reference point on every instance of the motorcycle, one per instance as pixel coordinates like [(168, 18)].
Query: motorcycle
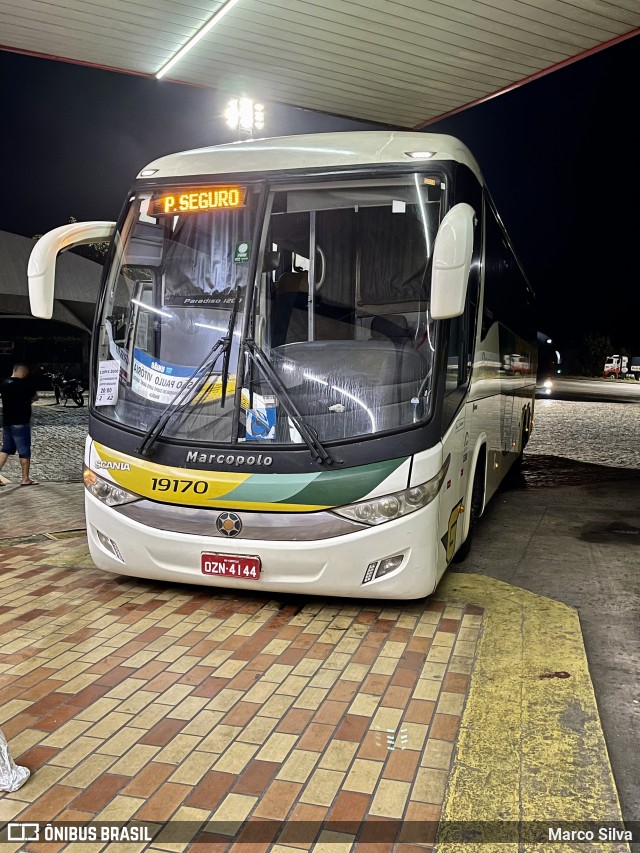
[(68, 389)]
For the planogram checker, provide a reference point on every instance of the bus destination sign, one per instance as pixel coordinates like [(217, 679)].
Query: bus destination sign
[(197, 199)]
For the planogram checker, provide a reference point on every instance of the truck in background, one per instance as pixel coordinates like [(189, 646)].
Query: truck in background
[(622, 367), (514, 363)]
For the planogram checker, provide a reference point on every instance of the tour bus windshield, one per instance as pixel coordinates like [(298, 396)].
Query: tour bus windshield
[(339, 309)]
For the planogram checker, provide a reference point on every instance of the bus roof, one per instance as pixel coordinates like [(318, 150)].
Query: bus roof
[(313, 151)]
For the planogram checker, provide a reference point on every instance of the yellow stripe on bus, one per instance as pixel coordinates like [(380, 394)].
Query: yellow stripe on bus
[(164, 482)]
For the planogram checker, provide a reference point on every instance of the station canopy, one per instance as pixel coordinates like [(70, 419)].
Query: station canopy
[(400, 62), (77, 283)]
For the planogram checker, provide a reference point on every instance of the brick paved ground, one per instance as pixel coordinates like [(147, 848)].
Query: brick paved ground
[(144, 701)]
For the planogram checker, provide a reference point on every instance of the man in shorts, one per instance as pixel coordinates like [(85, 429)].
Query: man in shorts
[(17, 394)]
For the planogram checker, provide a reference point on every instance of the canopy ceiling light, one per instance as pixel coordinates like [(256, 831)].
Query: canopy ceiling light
[(193, 41)]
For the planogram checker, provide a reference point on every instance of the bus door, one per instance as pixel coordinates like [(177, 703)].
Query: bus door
[(456, 436), (453, 490), (459, 420)]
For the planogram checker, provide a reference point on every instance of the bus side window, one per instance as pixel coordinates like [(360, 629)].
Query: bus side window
[(507, 298), (494, 272)]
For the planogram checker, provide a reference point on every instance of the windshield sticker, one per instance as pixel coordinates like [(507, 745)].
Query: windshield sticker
[(261, 420), (107, 390), (398, 206), (218, 301), (242, 251), (157, 380)]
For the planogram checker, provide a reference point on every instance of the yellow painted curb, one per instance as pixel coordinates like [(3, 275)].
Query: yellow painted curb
[(529, 748)]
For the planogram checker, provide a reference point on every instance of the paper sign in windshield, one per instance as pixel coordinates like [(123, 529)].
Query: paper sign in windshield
[(157, 380), (107, 390)]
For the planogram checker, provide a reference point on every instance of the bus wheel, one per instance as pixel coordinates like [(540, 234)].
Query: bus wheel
[(477, 497)]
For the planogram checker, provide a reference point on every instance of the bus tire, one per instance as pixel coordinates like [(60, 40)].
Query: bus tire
[(477, 499)]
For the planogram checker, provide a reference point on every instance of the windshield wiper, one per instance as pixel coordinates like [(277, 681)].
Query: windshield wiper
[(184, 396), (307, 433), (227, 352), (187, 393)]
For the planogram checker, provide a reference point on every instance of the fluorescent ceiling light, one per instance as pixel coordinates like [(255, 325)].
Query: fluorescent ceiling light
[(219, 15)]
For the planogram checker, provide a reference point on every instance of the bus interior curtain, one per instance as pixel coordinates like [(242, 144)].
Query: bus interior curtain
[(393, 258), (199, 253), (335, 237)]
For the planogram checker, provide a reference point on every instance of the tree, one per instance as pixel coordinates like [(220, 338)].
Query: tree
[(595, 348)]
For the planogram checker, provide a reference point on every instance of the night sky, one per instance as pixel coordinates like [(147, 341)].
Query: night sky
[(559, 156), (560, 159)]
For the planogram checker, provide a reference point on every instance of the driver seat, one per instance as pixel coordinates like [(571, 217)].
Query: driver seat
[(290, 309)]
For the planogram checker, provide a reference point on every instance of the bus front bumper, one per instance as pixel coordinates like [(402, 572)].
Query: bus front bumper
[(333, 566)]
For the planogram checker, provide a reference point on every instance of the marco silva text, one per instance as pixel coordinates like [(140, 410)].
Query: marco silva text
[(602, 833)]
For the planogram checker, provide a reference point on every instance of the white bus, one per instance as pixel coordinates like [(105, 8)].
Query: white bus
[(302, 365)]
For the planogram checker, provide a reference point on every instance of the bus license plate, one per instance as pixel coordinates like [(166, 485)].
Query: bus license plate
[(226, 565)]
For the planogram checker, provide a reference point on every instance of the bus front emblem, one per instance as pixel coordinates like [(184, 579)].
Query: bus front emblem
[(229, 524)]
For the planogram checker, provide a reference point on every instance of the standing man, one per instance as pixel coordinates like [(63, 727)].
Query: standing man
[(17, 394)]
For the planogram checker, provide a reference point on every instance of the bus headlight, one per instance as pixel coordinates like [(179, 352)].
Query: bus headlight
[(105, 491), (389, 507)]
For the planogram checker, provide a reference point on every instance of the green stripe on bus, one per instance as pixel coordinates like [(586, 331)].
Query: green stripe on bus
[(336, 488)]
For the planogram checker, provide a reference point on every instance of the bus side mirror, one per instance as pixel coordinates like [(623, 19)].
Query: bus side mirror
[(42, 261), (452, 262)]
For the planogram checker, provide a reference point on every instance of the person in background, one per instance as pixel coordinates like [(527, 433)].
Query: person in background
[(17, 394), (12, 775)]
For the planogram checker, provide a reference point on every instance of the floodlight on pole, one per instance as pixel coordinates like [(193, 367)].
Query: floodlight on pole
[(244, 116)]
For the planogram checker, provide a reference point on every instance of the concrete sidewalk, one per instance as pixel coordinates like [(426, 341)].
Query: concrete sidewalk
[(579, 543)]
